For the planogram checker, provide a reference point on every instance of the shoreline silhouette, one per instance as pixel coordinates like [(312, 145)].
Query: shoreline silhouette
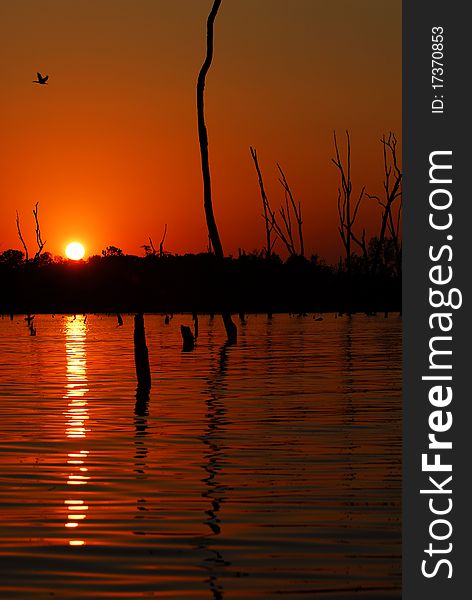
[(194, 283)]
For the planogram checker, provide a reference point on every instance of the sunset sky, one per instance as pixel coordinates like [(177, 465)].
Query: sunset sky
[(109, 147)]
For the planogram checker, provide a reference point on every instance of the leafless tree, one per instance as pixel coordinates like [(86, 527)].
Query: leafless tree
[(29, 318), (392, 184), (151, 248), (230, 327), (289, 212), (268, 214), (39, 240), (21, 236), (284, 232), (291, 205), (347, 207), (161, 245)]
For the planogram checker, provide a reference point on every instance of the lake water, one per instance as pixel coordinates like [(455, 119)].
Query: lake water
[(263, 470)]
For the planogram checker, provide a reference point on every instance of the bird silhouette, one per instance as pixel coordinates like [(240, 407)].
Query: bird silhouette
[(41, 80)]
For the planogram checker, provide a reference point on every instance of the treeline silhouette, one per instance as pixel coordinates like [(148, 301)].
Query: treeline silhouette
[(252, 282)]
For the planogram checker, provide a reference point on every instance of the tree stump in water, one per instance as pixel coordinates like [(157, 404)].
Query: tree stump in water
[(141, 355), (29, 322), (188, 338), (231, 330)]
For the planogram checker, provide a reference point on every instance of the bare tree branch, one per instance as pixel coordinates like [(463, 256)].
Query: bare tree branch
[(161, 245), (269, 227), (283, 231), (347, 216), (152, 249), (39, 241), (393, 191), (297, 209), (21, 237)]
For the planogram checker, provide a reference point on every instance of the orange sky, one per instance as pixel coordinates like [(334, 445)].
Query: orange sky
[(110, 150)]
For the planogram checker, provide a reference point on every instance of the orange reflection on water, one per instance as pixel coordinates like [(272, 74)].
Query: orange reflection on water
[(77, 417)]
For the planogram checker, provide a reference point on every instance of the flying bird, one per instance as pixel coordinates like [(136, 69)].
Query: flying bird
[(41, 80)]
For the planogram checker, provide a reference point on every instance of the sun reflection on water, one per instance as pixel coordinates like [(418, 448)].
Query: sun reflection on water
[(77, 417)]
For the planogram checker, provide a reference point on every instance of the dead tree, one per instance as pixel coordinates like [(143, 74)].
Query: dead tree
[(283, 229), (39, 240), (267, 211), (21, 236), (392, 191), (161, 245), (213, 234), (152, 250), (40, 243), (347, 208), (289, 207)]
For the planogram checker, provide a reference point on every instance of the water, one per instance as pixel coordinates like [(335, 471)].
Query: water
[(263, 470)]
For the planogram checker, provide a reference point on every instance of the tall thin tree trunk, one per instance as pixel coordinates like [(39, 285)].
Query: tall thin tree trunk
[(214, 236)]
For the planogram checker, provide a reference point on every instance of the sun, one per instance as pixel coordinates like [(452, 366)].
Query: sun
[(75, 251)]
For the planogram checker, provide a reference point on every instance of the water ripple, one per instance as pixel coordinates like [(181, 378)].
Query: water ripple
[(270, 468)]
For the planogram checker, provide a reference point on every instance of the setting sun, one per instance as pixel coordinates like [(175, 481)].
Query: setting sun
[(75, 251)]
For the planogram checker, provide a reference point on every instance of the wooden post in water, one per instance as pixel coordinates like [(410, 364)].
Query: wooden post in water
[(141, 355)]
